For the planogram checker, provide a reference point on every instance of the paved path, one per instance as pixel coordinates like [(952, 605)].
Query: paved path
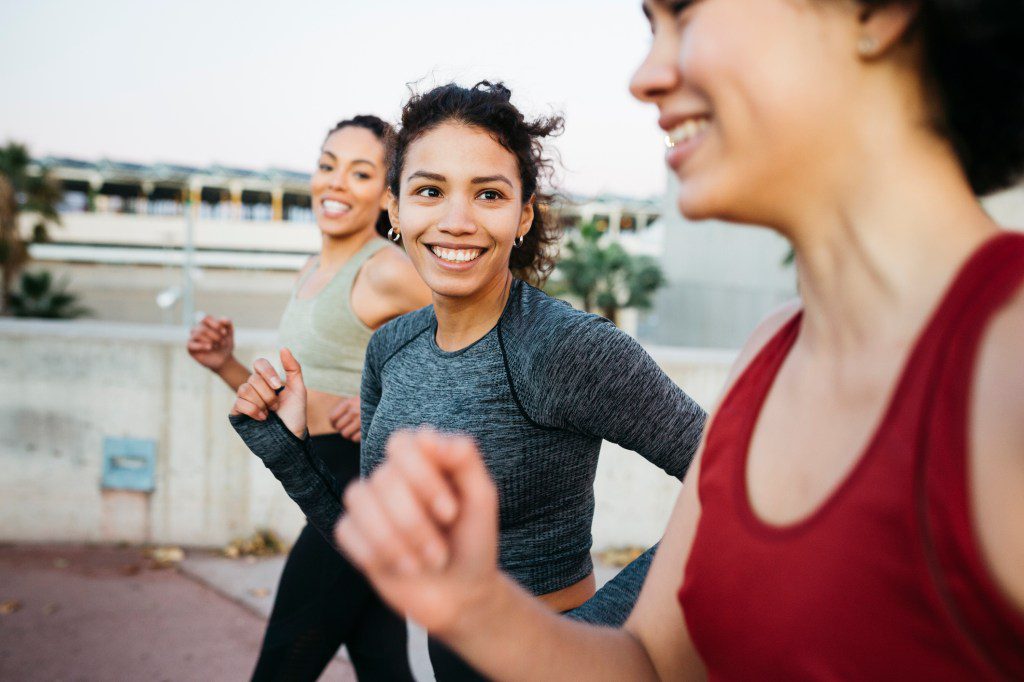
[(252, 583), (104, 614), (100, 613)]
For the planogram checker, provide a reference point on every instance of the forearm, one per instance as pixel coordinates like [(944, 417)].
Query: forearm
[(305, 478), (233, 373), (513, 636)]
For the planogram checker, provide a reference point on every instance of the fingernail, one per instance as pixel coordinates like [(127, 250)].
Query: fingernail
[(263, 415), (275, 382)]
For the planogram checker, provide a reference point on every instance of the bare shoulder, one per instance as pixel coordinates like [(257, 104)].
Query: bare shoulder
[(1000, 369), (996, 448), (762, 334), (389, 270), (391, 276)]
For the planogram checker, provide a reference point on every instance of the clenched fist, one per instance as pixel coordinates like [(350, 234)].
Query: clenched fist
[(263, 393)]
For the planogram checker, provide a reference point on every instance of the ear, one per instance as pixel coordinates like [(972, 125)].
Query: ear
[(526, 217), (883, 26), (385, 200), (391, 204)]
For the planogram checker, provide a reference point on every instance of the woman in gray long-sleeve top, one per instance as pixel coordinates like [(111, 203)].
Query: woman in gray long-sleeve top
[(536, 383)]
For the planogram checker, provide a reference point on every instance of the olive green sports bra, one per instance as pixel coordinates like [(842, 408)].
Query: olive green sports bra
[(323, 333)]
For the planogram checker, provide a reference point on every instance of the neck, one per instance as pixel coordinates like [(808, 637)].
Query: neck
[(872, 266), (336, 251), (464, 320)]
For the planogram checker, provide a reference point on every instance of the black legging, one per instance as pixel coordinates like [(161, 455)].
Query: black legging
[(323, 602)]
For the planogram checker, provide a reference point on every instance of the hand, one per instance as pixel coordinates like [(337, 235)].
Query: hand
[(345, 418), (424, 529), (259, 395), (212, 342)]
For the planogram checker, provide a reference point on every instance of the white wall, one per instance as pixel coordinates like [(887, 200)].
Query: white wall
[(70, 384)]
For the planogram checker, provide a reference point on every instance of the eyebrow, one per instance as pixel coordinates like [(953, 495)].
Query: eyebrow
[(429, 176), (481, 180), (334, 156), (491, 178)]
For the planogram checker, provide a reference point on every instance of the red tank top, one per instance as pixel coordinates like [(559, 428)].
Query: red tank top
[(885, 580)]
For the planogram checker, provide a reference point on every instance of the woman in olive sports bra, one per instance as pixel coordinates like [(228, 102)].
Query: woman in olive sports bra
[(355, 284)]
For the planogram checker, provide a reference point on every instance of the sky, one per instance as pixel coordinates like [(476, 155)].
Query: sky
[(257, 84)]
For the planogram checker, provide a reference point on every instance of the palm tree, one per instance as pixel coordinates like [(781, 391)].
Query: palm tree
[(21, 190), (605, 277), (40, 296)]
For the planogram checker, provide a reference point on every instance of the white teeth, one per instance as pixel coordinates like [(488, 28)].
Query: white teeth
[(686, 131), (456, 255), (332, 206)]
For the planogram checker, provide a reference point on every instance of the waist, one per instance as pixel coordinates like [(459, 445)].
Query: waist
[(319, 406), (570, 597)]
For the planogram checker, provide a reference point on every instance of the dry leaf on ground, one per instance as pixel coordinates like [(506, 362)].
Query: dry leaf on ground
[(9, 606)]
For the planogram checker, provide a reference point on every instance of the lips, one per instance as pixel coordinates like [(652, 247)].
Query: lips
[(687, 130), (456, 255), (334, 209)]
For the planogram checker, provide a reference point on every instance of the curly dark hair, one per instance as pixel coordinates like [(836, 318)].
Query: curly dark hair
[(488, 106), (974, 56), (383, 130)]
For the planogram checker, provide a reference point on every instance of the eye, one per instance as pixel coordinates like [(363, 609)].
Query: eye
[(429, 192), (362, 176), (680, 6), (325, 167), (491, 195)]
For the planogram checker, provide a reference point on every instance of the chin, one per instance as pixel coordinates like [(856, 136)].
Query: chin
[(451, 287), (332, 229)]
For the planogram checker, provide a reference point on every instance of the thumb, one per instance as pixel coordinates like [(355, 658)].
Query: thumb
[(292, 369)]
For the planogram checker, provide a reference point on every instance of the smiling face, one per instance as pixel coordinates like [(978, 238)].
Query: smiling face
[(348, 186), (460, 208), (754, 97)]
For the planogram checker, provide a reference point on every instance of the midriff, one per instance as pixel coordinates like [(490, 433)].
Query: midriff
[(318, 410), (570, 597)]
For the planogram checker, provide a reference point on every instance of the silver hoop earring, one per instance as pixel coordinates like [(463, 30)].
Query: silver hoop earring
[(394, 235), (518, 241)]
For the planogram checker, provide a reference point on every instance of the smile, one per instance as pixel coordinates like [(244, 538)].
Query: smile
[(456, 255), (686, 131), (334, 209)]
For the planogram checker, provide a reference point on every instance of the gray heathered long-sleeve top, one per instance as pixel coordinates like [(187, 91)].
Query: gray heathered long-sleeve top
[(538, 393)]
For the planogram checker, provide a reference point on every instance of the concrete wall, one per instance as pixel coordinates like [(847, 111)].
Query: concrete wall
[(723, 279), (71, 384)]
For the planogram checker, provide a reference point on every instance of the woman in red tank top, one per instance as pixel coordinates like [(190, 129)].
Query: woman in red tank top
[(857, 511)]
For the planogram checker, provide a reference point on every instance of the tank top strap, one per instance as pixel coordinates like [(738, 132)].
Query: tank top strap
[(943, 498), (734, 420), (368, 251)]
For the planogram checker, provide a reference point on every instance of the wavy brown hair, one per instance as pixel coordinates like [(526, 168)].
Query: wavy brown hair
[(488, 106)]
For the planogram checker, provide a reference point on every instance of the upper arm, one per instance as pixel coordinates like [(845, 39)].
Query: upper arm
[(996, 449), (601, 382), (395, 285), (657, 621)]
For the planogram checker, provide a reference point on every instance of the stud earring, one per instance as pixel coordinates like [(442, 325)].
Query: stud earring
[(394, 235), (867, 46), (518, 241)]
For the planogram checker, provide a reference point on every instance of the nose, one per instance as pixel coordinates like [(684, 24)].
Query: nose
[(658, 74), (458, 219), (337, 180)]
